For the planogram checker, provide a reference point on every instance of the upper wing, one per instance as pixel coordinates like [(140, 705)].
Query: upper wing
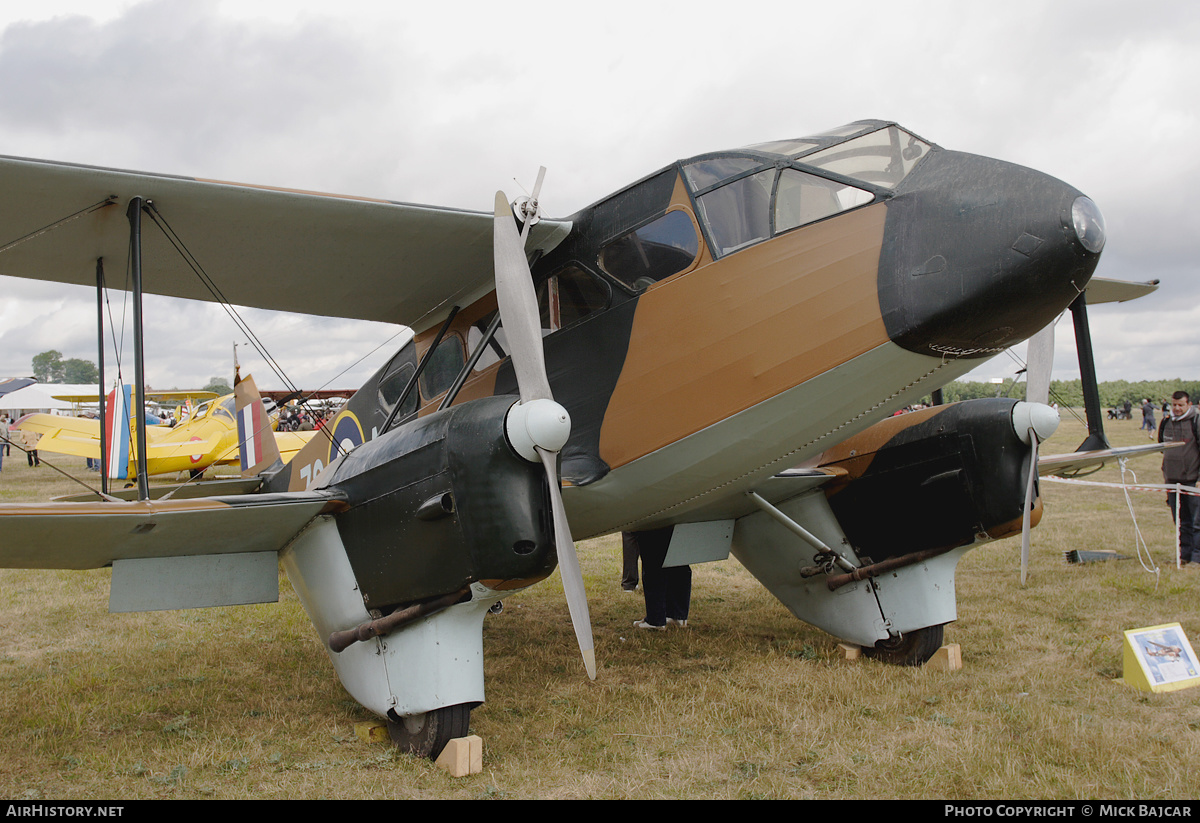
[(263, 247)]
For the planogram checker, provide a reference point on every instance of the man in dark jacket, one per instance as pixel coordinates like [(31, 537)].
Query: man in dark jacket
[(1182, 465)]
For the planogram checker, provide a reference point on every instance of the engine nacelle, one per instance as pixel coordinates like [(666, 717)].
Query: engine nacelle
[(932, 479), (441, 502)]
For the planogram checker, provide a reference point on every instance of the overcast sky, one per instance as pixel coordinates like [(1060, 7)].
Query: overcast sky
[(405, 102)]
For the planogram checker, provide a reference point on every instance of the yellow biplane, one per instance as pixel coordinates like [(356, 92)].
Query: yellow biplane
[(206, 438)]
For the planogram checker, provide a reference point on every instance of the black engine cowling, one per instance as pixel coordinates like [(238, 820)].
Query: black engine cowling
[(441, 502), (931, 479)]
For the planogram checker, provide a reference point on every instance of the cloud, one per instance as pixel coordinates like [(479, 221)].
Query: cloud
[(444, 105)]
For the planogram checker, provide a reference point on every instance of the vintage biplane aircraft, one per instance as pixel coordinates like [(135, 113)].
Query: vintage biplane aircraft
[(208, 437), (712, 347)]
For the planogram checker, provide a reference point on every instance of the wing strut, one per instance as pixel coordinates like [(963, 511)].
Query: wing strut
[(135, 265), (416, 375), (100, 335), (454, 389), (1087, 376)]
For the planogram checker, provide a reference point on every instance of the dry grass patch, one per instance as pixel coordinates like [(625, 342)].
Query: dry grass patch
[(747, 703)]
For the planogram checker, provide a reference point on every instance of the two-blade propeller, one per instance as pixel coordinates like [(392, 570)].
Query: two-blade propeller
[(537, 426), (1040, 362), (1033, 423)]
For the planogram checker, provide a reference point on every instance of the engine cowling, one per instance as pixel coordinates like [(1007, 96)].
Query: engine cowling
[(441, 502), (937, 478)]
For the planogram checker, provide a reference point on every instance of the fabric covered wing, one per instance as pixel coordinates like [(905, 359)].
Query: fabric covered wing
[(64, 435), (93, 535), (1068, 464), (263, 247), (1104, 290), (290, 443)]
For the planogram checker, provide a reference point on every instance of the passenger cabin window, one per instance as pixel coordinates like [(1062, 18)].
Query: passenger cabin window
[(655, 251), (390, 388), (568, 296), (564, 298), (443, 367), (497, 348)]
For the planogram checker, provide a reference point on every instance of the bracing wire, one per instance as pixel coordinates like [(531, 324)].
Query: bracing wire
[(1143, 551), (1058, 398), (190, 259), (108, 201), (219, 296)]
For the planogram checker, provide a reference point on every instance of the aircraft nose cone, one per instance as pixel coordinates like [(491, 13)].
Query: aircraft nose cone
[(980, 254)]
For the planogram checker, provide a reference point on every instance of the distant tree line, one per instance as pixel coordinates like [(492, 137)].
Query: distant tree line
[(49, 367), (1113, 393)]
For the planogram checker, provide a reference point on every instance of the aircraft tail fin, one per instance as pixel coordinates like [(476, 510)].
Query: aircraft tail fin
[(256, 440), (117, 443)]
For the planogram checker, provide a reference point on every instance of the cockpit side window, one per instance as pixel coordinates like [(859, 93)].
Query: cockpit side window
[(652, 252), (805, 198), (881, 158), (225, 408), (568, 296), (762, 205), (738, 214)]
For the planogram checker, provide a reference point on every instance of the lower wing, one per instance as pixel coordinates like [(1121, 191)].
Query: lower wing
[(1076, 462)]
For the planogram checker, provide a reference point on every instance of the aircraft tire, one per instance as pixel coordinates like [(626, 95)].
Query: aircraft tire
[(427, 734), (913, 649)]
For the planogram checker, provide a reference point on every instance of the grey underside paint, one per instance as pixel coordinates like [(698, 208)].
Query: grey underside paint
[(862, 612), (706, 475), (195, 582)]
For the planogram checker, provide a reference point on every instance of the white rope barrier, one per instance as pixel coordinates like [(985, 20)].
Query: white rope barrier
[(1177, 488), (1148, 487)]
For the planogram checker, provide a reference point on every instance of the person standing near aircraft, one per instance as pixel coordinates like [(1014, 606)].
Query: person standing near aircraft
[(30, 441), (1148, 416), (629, 562), (1182, 466), (667, 592)]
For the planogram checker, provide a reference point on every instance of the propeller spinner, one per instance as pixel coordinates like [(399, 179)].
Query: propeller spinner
[(537, 426)]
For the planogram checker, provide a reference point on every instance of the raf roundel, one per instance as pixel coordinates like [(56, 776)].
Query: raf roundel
[(347, 433)]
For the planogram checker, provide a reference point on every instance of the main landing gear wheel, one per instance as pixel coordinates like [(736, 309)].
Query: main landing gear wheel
[(913, 649), (425, 735)]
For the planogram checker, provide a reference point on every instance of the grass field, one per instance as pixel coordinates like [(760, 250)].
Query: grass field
[(747, 703)]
